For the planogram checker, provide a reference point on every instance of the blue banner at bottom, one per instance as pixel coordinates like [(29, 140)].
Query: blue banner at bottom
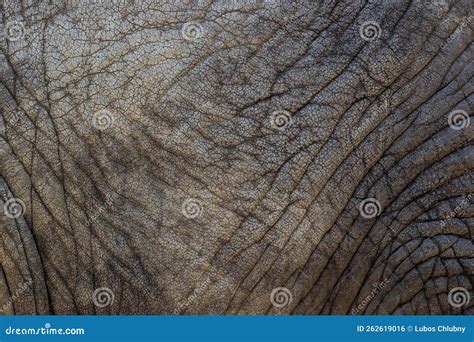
[(237, 328)]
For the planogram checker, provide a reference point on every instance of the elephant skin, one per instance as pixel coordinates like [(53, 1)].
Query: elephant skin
[(237, 157)]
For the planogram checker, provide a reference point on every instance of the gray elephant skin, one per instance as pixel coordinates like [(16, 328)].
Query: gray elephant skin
[(237, 157)]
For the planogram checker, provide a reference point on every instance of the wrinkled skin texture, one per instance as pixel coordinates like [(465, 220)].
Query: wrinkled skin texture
[(192, 120)]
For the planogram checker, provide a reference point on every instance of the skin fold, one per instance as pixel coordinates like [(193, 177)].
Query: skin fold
[(237, 157)]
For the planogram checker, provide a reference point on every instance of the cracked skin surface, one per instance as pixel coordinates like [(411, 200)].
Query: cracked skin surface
[(192, 119)]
